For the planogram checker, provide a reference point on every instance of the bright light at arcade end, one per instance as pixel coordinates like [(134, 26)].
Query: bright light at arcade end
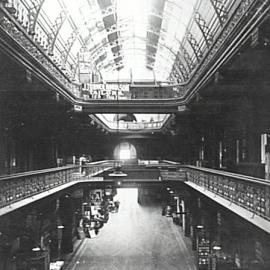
[(125, 151), (124, 154)]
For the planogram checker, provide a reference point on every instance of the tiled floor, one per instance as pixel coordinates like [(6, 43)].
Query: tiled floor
[(137, 237)]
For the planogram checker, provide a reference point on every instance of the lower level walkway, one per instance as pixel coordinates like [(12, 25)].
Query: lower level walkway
[(137, 237)]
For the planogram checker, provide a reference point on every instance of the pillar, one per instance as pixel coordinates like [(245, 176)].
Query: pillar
[(187, 224), (67, 219), (267, 162), (183, 215)]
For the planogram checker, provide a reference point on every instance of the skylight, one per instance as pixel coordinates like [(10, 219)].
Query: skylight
[(154, 40), (132, 39)]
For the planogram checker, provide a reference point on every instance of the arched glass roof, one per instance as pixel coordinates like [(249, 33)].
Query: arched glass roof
[(127, 39)]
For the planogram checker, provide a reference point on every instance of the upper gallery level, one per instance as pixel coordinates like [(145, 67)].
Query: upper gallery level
[(108, 53)]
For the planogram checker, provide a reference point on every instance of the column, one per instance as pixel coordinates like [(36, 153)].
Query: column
[(67, 219), (267, 162)]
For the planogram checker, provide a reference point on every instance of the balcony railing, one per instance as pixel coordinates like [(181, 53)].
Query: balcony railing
[(17, 187), (248, 192), (251, 193)]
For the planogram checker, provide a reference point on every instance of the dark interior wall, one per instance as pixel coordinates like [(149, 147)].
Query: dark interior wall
[(34, 137), (232, 110), (242, 123), (32, 121)]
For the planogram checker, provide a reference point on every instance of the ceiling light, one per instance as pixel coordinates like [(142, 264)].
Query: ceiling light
[(216, 247)]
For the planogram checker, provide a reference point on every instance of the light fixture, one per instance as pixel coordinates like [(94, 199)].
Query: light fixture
[(216, 247), (200, 227), (60, 227), (36, 249)]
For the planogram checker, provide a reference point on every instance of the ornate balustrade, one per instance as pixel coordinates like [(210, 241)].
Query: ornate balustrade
[(248, 192), (251, 193), (19, 186), (16, 187)]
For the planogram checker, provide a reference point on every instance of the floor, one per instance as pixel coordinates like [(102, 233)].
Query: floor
[(137, 237)]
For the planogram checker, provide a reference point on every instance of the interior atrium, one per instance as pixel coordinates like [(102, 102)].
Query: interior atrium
[(134, 134)]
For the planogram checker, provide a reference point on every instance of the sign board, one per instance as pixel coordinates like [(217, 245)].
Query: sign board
[(77, 108), (181, 108)]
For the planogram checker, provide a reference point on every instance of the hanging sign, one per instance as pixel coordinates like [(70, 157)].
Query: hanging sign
[(77, 108)]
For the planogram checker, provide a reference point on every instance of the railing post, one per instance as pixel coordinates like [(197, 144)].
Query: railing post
[(267, 163), (267, 202)]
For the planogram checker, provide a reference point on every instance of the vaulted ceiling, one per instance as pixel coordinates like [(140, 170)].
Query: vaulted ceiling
[(142, 39)]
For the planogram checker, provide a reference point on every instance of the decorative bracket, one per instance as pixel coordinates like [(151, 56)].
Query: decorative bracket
[(59, 21), (176, 75), (194, 45), (70, 42), (181, 67), (208, 37), (220, 10), (33, 14), (186, 57)]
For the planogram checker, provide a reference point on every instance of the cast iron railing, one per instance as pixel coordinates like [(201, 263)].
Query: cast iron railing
[(19, 186), (248, 192), (16, 187)]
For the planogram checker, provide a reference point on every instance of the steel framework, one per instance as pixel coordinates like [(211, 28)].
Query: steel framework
[(220, 10), (52, 37), (206, 31), (33, 15), (194, 45)]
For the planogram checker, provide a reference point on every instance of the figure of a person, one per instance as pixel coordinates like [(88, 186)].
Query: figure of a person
[(82, 161)]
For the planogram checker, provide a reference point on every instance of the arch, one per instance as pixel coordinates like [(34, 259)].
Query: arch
[(125, 151)]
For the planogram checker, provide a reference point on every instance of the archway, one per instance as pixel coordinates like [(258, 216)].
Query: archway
[(125, 151)]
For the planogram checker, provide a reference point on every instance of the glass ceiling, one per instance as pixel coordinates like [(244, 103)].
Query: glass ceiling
[(132, 39), (154, 40)]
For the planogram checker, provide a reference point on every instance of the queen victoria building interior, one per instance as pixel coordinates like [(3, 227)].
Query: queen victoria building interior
[(134, 135)]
